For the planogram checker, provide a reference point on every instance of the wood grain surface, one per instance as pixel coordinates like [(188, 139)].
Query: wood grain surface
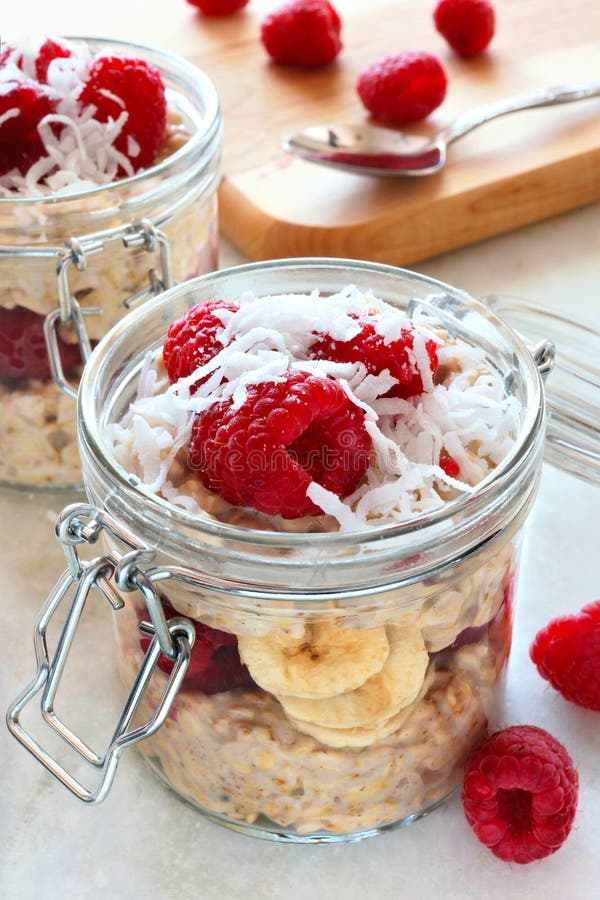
[(516, 170), (513, 171)]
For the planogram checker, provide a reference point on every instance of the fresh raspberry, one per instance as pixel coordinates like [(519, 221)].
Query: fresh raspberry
[(497, 632), (449, 465), (567, 654), (302, 33), (218, 7), (23, 347), (369, 348), (285, 435), (467, 25), (48, 51), (20, 142), (192, 340), (137, 87), (520, 793), (215, 664), (403, 88)]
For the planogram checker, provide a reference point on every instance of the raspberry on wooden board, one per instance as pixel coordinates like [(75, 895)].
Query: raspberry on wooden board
[(403, 88), (218, 7), (303, 33), (467, 25)]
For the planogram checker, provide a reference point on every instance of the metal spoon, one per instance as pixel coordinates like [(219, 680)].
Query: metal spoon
[(371, 150)]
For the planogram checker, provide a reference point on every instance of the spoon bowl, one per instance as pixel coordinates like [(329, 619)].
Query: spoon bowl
[(369, 149)]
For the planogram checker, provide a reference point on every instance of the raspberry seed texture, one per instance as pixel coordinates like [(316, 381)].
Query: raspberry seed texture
[(520, 793), (403, 88), (192, 340), (118, 83), (303, 33), (286, 434), (370, 348), (23, 105), (567, 654)]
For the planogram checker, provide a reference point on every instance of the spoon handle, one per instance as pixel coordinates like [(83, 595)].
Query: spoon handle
[(550, 96)]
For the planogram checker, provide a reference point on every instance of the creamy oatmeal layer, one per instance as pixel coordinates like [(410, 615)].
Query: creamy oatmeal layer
[(38, 439), (236, 754)]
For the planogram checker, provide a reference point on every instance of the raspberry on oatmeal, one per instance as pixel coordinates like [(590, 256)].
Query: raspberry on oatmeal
[(265, 453)]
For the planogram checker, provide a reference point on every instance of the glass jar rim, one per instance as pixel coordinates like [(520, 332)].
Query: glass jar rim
[(93, 447), (191, 74), (572, 390)]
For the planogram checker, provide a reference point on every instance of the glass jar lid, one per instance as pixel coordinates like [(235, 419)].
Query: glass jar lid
[(572, 387)]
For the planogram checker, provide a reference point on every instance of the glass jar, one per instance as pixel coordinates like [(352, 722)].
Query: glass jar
[(106, 243), (259, 760)]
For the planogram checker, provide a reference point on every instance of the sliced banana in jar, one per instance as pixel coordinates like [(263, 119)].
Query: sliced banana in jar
[(325, 661), (380, 697), (366, 735)]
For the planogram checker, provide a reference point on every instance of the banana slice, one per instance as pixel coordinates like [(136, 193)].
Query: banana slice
[(380, 697), (327, 660), (362, 736)]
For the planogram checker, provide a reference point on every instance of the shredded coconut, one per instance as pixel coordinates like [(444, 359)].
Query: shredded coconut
[(80, 151), (468, 415)]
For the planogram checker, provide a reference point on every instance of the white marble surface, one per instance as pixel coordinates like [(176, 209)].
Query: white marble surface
[(143, 842)]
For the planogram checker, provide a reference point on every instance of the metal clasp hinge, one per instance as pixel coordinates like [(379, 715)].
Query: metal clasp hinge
[(175, 638), (544, 353), (69, 313)]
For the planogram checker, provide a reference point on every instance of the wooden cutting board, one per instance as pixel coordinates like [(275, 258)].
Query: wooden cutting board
[(513, 171)]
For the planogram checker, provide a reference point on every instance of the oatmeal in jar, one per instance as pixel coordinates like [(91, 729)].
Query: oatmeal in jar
[(332, 709), (96, 137)]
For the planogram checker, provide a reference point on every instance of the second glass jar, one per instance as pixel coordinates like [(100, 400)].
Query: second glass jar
[(176, 196)]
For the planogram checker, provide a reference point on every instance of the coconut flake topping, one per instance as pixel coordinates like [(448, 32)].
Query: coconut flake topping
[(467, 415), (80, 151)]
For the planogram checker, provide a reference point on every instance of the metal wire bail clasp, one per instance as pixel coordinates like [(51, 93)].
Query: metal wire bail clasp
[(69, 313), (150, 238), (80, 524)]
